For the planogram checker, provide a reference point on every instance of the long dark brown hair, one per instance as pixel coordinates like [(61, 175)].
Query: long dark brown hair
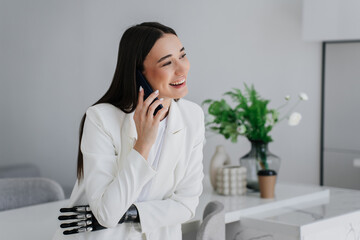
[(134, 46)]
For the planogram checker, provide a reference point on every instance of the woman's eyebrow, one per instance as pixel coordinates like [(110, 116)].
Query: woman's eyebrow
[(169, 55)]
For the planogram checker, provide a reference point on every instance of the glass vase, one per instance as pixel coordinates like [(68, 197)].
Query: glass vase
[(258, 158)]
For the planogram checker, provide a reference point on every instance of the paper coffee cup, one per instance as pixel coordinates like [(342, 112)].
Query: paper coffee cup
[(267, 180)]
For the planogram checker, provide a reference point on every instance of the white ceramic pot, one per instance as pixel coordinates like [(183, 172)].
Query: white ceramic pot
[(218, 160)]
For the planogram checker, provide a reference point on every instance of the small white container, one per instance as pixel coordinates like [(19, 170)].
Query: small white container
[(231, 180)]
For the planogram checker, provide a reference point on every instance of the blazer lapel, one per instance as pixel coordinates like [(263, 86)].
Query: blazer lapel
[(174, 139)]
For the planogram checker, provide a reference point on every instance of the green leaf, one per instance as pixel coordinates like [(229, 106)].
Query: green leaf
[(250, 110), (207, 101)]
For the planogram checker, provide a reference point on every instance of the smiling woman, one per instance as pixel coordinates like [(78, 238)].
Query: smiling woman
[(139, 171), (166, 67)]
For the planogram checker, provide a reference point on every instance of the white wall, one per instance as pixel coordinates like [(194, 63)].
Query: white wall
[(58, 57), (328, 20)]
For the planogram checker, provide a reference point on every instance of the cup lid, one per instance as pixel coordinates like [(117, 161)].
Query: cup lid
[(267, 172)]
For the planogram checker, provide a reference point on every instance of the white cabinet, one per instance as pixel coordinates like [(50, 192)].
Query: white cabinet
[(345, 227), (330, 218)]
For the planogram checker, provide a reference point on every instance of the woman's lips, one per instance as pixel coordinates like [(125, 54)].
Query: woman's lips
[(179, 84)]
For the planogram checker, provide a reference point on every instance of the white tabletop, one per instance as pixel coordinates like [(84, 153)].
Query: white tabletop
[(40, 221), (34, 222), (238, 207)]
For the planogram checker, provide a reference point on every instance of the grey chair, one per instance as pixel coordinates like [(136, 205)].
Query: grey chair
[(213, 224), (21, 192)]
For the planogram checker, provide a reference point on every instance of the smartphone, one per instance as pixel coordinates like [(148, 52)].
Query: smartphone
[(141, 81)]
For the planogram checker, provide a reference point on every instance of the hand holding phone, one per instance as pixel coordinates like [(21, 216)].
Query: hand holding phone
[(141, 81), (147, 116)]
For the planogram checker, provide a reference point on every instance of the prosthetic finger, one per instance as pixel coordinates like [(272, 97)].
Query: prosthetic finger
[(76, 224), (84, 208), (75, 216), (78, 230)]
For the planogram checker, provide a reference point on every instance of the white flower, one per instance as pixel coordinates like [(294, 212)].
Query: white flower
[(294, 119), (287, 97), (303, 96), (241, 129)]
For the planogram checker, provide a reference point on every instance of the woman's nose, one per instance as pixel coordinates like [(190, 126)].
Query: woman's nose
[(182, 68)]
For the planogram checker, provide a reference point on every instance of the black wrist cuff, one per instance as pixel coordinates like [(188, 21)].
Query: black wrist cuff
[(131, 215)]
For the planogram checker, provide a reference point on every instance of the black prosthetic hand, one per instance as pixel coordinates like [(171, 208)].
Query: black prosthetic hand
[(85, 221)]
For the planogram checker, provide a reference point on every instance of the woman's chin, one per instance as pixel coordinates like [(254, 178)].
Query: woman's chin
[(178, 93), (182, 94)]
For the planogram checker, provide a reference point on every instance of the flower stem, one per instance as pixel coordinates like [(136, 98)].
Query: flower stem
[(282, 105), (289, 112)]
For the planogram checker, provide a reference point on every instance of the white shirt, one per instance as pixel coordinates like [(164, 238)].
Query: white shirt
[(154, 157)]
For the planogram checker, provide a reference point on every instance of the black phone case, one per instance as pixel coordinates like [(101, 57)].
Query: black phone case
[(141, 81)]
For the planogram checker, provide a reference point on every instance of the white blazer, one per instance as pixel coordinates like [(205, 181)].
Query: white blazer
[(115, 173)]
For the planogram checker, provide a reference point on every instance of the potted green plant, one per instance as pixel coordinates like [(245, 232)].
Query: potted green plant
[(250, 117)]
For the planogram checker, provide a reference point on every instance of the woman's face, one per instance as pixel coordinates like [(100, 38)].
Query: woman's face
[(166, 67)]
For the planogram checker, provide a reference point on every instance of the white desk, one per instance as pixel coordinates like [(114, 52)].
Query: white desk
[(36, 222), (296, 210), (238, 207)]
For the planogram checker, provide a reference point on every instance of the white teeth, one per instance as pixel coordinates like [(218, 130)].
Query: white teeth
[(178, 83)]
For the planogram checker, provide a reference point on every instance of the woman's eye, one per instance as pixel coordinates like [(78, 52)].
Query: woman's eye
[(168, 63)]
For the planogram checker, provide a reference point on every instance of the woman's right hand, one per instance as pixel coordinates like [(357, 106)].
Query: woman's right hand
[(146, 123)]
